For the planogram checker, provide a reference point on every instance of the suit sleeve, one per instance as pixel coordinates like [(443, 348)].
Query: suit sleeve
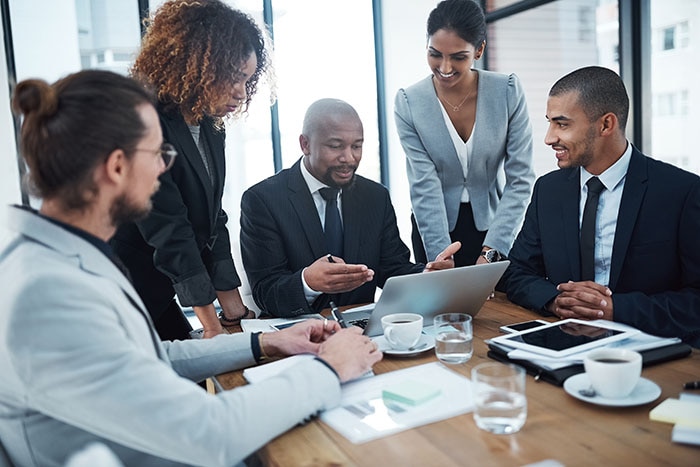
[(525, 280), (673, 312), (82, 362), (277, 289), (426, 191), (168, 230), (518, 171)]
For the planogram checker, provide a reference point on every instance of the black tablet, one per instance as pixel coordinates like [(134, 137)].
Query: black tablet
[(565, 337)]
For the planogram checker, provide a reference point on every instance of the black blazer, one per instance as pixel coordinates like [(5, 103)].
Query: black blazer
[(183, 246), (655, 264), (281, 234)]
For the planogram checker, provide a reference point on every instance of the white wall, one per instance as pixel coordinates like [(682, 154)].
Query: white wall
[(51, 50)]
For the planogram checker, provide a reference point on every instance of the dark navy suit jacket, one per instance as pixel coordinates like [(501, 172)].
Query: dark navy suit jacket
[(281, 234), (655, 264)]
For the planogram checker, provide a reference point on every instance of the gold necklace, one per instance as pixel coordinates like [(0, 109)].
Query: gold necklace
[(456, 108)]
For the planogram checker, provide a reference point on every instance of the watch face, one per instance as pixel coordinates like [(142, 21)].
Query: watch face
[(491, 256)]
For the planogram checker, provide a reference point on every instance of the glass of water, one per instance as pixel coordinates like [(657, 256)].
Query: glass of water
[(500, 405), (453, 337)]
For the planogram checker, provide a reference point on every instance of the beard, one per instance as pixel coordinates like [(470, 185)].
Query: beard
[(328, 177), (124, 210)]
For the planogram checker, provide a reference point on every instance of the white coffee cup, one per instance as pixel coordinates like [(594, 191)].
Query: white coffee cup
[(613, 372), (402, 330)]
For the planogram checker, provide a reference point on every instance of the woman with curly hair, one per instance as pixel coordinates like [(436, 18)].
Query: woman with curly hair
[(203, 59)]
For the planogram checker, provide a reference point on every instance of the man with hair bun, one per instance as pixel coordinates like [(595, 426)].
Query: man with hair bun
[(79, 357)]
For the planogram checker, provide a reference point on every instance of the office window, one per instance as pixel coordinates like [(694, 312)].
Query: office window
[(675, 113), (675, 36), (552, 49)]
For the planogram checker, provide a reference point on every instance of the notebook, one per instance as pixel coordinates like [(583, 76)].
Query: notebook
[(457, 290)]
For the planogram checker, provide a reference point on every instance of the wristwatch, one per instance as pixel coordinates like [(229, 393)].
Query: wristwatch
[(492, 255)]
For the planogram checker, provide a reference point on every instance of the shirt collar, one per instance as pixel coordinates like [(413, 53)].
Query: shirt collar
[(312, 182), (614, 174)]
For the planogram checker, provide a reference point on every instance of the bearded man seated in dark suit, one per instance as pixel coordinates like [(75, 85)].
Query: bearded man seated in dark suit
[(300, 251)]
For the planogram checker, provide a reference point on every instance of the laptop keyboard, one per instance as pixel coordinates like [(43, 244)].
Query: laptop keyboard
[(360, 323)]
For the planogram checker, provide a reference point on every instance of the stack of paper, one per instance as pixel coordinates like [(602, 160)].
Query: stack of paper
[(685, 413)]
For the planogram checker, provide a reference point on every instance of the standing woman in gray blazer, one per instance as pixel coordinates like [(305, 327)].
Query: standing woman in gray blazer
[(468, 143)]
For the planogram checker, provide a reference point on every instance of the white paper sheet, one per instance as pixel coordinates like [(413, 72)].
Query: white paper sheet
[(363, 415), (265, 325)]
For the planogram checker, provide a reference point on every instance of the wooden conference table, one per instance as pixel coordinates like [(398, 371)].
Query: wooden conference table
[(558, 426)]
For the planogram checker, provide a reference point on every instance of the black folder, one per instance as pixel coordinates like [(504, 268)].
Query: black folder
[(557, 377)]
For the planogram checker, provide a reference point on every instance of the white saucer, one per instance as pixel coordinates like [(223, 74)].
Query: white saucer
[(424, 343), (644, 392)]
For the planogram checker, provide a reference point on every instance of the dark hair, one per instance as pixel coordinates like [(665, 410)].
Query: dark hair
[(600, 91), (72, 126), (193, 51), (464, 17)]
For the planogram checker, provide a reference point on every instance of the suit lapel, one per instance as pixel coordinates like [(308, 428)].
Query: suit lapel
[(436, 136), (303, 205), (632, 197), (570, 197), (188, 150)]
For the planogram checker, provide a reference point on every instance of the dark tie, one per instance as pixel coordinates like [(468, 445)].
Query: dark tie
[(595, 187), (333, 227)]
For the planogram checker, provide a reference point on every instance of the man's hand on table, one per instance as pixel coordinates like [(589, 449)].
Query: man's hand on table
[(350, 353)]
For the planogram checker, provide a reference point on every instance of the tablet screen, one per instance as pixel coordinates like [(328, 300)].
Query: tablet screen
[(563, 336)]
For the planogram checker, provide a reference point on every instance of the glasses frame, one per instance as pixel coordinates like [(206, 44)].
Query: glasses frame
[(167, 152)]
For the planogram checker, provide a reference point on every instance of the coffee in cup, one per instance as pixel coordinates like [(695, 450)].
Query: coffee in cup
[(402, 330), (613, 373)]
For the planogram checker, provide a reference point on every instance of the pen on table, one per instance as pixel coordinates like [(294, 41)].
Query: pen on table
[(330, 258), (336, 314), (692, 385)]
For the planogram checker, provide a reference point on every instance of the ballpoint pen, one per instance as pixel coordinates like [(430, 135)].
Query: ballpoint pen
[(330, 258), (692, 385), (336, 315)]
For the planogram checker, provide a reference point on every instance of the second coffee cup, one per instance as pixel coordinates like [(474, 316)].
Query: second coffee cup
[(613, 372), (402, 330)]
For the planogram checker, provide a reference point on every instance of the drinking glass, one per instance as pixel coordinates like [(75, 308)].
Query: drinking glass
[(453, 337), (499, 397)]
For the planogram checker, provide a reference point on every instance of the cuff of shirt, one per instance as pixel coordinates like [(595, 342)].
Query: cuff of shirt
[(309, 293)]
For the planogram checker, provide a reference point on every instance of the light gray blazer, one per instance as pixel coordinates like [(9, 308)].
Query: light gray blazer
[(79, 363), (500, 173)]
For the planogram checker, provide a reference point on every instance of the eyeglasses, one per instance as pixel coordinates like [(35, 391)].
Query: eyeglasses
[(167, 152)]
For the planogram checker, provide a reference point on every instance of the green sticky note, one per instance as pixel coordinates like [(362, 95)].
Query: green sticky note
[(411, 392)]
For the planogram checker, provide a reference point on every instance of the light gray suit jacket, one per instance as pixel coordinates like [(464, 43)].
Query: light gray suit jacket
[(80, 362), (500, 173)]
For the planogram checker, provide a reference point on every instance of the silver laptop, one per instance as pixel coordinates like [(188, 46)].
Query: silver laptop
[(457, 290)]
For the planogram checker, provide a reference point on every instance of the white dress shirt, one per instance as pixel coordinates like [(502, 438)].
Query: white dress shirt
[(606, 217), (314, 187)]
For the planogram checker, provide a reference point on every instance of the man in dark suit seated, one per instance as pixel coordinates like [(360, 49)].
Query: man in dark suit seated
[(630, 253), (301, 251)]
